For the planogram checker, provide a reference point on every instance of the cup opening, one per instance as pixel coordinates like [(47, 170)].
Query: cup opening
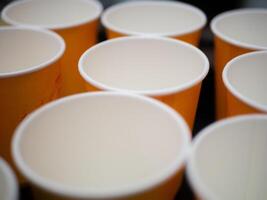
[(245, 77), (52, 14), (227, 160), (72, 181), (242, 27), (25, 50), (151, 66), (153, 18), (8, 183)]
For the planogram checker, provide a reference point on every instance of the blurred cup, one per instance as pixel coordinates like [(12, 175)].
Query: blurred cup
[(29, 76), (75, 20), (159, 18), (245, 80), (228, 159), (236, 32), (8, 182), (166, 69), (103, 145)]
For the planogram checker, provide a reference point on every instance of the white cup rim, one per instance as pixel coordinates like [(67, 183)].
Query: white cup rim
[(155, 92), (233, 90), (55, 188), (191, 171), (7, 19), (42, 65), (10, 180), (105, 22), (230, 40)]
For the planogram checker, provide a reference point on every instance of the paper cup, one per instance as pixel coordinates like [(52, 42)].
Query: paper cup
[(75, 20), (236, 32), (228, 160), (103, 145), (161, 18), (29, 76), (8, 182), (246, 83), (166, 69)]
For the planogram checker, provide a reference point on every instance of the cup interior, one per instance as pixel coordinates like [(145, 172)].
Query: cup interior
[(148, 17), (8, 184), (229, 160), (143, 65), (244, 27), (52, 14), (24, 50), (245, 76), (97, 144)]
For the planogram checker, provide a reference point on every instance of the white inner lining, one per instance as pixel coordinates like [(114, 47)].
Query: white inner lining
[(143, 64), (83, 144), (4, 190), (248, 77), (232, 163), (53, 13), (22, 49), (246, 27), (155, 17)]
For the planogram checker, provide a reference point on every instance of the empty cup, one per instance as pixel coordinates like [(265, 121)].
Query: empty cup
[(75, 20), (228, 160), (167, 69), (102, 145), (8, 182), (245, 78), (236, 32), (29, 76), (159, 18)]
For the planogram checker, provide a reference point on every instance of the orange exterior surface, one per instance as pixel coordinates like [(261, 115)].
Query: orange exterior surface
[(184, 102), (224, 52), (236, 106), (192, 38), (164, 191), (78, 39), (22, 94)]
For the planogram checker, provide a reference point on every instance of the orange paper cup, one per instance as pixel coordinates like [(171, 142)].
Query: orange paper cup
[(103, 145), (228, 159), (75, 20), (245, 80), (166, 69), (8, 183), (236, 32), (29, 76), (158, 18)]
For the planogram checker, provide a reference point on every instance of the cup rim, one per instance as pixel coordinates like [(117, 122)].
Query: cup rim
[(191, 171), (7, 19), (66, 191), (154, 92), (230, 13), (105, 22), (233, 90), (42, 65), (10, 180)]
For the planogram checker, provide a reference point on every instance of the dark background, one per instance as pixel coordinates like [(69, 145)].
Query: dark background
[(205, 113)]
